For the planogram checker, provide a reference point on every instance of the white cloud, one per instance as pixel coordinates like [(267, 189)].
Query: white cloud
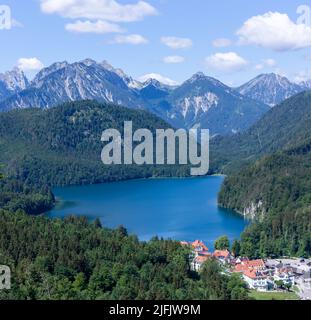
[(158, 77), (177, 43), (222, 42), (173, 59), (302, 76), (275, 31), (88, 26), (226, 62), (270, 63), (130, 39), (30, 64), (109, 10)]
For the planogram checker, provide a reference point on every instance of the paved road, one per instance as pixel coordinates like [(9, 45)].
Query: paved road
[(305, 291)]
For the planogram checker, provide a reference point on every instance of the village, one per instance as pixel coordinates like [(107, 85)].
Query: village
[(261, 275)]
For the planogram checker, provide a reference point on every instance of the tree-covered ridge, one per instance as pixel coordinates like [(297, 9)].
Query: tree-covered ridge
[(277, 191), (283, 127), (72, 259), (15, 195), (62, 146), (270, 169)]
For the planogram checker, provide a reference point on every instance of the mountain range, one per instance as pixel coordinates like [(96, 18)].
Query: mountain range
[(12, 82), (271, 89), (200, 101)]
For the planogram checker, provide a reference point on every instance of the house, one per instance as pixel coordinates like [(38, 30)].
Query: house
[(238, 260), (204, 254), (197, 262), (258, 265), (256, 280), (240, 268), (284, 274), (223, 256), (254, 274), (199, 246)]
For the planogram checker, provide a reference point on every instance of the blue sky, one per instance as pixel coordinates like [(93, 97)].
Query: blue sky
[(148, 36)]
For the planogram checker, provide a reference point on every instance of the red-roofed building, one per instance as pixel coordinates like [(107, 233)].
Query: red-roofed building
[(199, 246), (258, 264), (222, 255), (240, 268), (256, 280), (205, 254), (197, 262)]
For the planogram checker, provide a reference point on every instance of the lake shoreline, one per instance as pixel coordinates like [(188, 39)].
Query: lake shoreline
[(164, 207)]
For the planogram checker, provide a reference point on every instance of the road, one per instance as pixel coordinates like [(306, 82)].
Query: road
[(304, 290)]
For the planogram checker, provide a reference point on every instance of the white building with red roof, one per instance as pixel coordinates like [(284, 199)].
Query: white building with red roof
[(199, 246), (197, 262), (223, 256), (258, 265), (256, 280)]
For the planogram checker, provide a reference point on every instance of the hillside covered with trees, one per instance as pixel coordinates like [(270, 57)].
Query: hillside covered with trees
[(284, 127), (62, 145), (72, 259), (275, 190)]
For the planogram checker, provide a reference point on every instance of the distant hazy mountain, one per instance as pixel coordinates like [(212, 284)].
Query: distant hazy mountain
[(306, 84), (208, 103), (153, 90), (201, 100), (270, 89), (12, 82)]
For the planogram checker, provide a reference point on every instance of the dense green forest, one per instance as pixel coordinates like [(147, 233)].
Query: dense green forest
[(282, 184), (15, 195), (276, 189), (62, 145), (72, 259)]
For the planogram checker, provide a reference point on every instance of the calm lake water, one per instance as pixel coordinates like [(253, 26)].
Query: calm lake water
[(181, 209)]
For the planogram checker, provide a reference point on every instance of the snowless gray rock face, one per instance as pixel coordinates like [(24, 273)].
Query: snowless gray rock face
[(201, 101)]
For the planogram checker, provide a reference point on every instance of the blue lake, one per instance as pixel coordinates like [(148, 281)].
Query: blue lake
[(181, 209)]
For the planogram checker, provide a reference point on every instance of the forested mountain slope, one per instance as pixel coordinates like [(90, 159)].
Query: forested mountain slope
[(275, 190), (62, 145), (285, 126)]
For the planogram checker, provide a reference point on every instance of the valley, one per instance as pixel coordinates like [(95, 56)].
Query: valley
[(155, 150), (264, 153)]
